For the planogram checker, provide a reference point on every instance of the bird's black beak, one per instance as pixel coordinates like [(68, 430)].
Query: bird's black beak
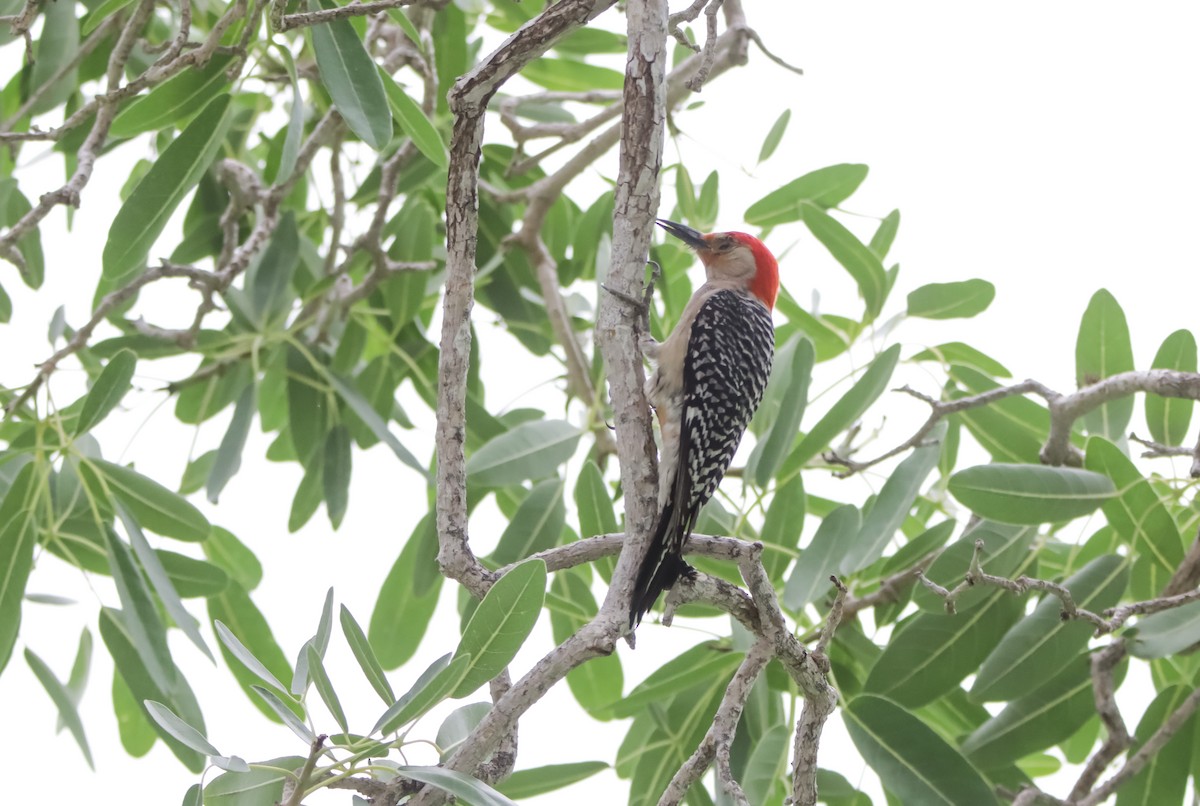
[(689, 236)]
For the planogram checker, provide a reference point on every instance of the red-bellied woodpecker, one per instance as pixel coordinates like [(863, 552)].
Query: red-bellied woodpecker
[(708, 380)]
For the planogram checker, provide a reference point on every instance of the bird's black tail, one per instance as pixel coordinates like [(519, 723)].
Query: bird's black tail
[(662, 565)]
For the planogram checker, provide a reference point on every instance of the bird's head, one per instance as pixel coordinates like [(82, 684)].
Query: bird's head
[(734, 256)]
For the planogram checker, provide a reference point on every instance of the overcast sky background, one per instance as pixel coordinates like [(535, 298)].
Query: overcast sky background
[(1050, 148)]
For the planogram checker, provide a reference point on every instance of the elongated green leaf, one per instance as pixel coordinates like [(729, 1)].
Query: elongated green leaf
[(365, 656), (1140, 518), (540, 780), (132, 668), (568, 75), (142, 218), (63, 700), (1012, 429), (269, 279), (295, 129), (13, 206), (766, 765), (955, 352), (307, 404), (413, 122), (173, 100), (893, 503), (593, 502), (181, 730), (153, 506), (782, 526), (408, 597), (532, 450), (1164, 778), (349, 74), (436, 684), (705, 661), (225, 550), (245, 656), (57, 48), (137, 733), (824, 187), (469, 790), (100, 13), (846, 411), (234, 615), (933, 652), (297, 726), (140, 614), (335, 478), (914, 763), (262, 786), (1029, 494), (1042, 643), (5, 307), (885, 234), (597, 683), (107, 391), (229, 455), (18, 535), (1103, 349), (862, 264), (190, 577), (319, 642), (790, 377), (501, 623), (77, 682), (1168, 418), (774, 136), (320, 678), (362, 407), (536, 526), (1166, 633), (1040, 719), (157, 574), (951, 300), (822, 557)]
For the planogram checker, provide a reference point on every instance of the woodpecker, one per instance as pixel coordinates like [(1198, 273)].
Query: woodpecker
[(708, 380)]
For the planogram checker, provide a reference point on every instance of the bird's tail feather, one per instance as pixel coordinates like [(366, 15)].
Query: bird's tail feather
[(661, 566)]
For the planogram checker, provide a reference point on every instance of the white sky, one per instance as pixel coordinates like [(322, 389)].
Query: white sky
[(1049, 148)]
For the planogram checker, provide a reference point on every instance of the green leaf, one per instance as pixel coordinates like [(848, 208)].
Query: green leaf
[(350, 76), (1006, 552), (1168, 418), (951, 300), (885, 234), (540, 780), (77, 682), (1040, 719), (593, 502), (1012, 429), (846, 411), (228, 458), (181, 730), (568, 75), (192, 578), (1042, 644), (269, 279), (362, 407), (336, 474), (1140, 518), (5, 307), (262, 786), (407, 598), (57, 47), (791, 377), (226, 551), (241, 621), (140, 614), (320, 678), (707, 661), (107, 391), (434, 685), (774, 136), (501, 623), (245, 656), (933, 652), (1164, 778), (1166, 633), (153, 506), (13, 207), (174, 100), (18, 535), (307, 406), (1029, 494), (913, 762), (598, 682), (536, 526), (295, 129), (782, 526), (766, 765), (100, 13), (824, 187), (281, 709), (955, 352), (145, 213), (862, 264), (1103, 349), (365, 656), (63, 700), (532, 450), (824, 554), (469, 790), (893, 503), (414, 123)]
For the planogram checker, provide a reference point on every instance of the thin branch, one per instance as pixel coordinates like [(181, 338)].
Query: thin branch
[(285, 22)]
